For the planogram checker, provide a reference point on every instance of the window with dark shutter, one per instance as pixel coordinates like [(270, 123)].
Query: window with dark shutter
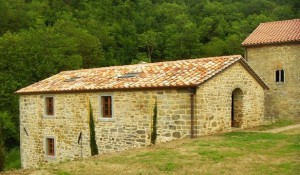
[(49, 105), (50, 147)]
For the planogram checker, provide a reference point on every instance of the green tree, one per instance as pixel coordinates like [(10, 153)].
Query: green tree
[(3, 16), (154, 124), (2, 150), (215, 47), (149, 40), (182, 39), (16, 15), (283, 12), (7, 128), (93, 143)]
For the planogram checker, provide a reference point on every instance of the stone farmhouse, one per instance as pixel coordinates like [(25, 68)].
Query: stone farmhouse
[(273, 51), (194, 97)]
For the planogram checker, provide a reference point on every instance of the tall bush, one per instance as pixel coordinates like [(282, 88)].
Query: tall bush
[(7, 130), (93, 144), (2, 154), (154, 124)]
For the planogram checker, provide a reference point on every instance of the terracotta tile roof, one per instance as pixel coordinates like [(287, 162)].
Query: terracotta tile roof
[(274, 32), (183, 73)]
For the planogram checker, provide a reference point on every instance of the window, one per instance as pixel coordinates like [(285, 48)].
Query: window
[(106, 106), (279, 75), (49, 106), (50, 147)]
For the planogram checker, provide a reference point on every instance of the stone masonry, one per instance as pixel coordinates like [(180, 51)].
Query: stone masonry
[(283, 98), (214, 101), (132, 116)]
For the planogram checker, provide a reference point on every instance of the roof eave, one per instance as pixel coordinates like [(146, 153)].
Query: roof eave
[(268, 44), (105, 90)]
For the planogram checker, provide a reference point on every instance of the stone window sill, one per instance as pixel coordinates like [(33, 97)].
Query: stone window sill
[(48, 116), (279, 83), (106, 119), (48, 157)]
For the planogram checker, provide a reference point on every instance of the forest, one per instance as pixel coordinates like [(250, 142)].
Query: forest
[(39, 38)]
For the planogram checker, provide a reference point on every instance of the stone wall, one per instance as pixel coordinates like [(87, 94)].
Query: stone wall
[(70, 119), (283, 99), (214, 101), (130, 126), (132, 117)]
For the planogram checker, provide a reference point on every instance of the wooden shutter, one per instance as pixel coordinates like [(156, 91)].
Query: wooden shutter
[(49, 105), (50, 147), (106, 106)]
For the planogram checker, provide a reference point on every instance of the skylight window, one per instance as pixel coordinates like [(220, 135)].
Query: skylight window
[(129, 75), (72, 79)]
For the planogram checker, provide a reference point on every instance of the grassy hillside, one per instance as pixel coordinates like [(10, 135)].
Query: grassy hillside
[(230, 153)]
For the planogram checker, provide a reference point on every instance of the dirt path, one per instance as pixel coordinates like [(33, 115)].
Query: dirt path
[(277, 130)]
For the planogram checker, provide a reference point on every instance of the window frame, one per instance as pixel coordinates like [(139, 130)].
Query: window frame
[(46, 115), (100, 105), (280, 76), (46, 147)]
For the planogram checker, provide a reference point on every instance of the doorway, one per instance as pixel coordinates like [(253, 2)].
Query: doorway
[(237, 108)]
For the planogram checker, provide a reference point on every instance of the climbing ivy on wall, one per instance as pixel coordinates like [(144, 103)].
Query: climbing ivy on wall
[(93, 144), (154, 123)]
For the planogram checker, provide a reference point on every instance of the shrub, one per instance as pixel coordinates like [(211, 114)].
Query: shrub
[(12, 159), (154, 123), (93, 144)]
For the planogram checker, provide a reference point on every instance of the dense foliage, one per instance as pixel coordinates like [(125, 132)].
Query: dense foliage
[(7, 130), (39, 38)]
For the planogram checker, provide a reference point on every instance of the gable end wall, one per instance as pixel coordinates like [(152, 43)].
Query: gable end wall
[(283, 99), (214, 101)]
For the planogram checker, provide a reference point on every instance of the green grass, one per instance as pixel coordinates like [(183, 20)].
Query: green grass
[(277, 124), (12, 159), (255, 142), (163, 159), (169, 166), (63, 173), (281, 168), (216, 156)]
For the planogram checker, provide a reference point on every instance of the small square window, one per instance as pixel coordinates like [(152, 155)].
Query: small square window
[(279, 75), (50, 147)]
